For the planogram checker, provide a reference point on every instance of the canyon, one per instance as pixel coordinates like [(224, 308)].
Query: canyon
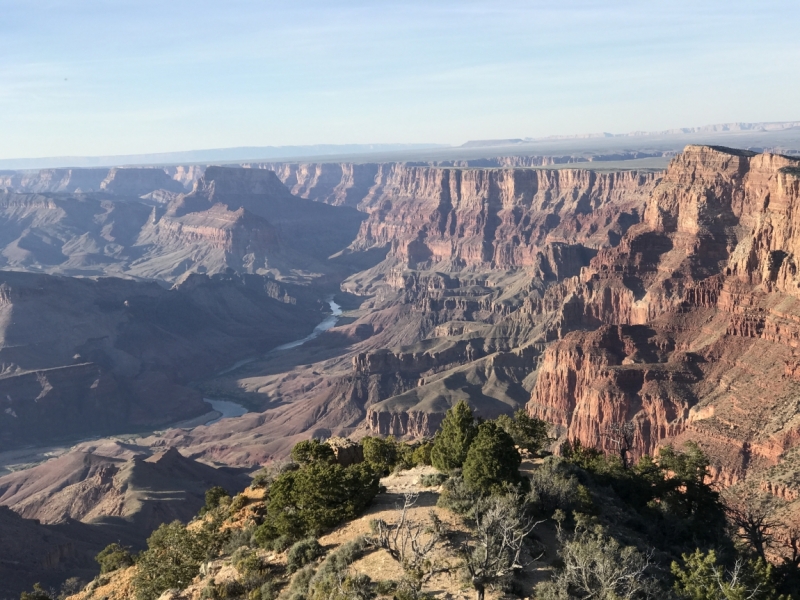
[(668, 299)]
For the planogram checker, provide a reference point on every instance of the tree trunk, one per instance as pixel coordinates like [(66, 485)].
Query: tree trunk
[(481, 590)]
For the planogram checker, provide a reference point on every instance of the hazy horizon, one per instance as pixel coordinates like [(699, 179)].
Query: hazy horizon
[(124, 78)]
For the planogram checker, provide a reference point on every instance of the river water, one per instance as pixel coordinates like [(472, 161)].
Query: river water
[(328, 323), (228, 409)]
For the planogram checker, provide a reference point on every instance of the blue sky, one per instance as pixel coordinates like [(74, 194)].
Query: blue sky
[(91, 77)]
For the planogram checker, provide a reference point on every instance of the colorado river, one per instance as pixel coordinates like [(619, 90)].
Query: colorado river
[(328, 323), (228, 409)]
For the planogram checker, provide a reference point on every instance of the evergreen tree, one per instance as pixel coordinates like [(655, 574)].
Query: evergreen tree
[(172, 559), (113, 557), (453, 439), (528, 433), (311, 451), (316, 497), (492, 459), (380, 454)]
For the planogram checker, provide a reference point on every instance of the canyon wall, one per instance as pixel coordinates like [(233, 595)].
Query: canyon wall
[(497, 218), (689, 327)]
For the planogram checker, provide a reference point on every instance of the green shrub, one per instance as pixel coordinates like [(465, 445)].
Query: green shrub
[(432, 479), (302, 553), (38, 593), (238, 538), (492, 461), (279, 544), (458, 496), (298, 587), (254, 570), (316, 497), (527, 432), (114, 557), (172, 559), (422, 454), (405, 457), (71, 586), (238, 503), (585, 457), (597, 565), (215, 497), (453, 438), (333, 571), (269, 591), (385, 587), (702, 577), (380, 454), (554, 486), (312, 451)]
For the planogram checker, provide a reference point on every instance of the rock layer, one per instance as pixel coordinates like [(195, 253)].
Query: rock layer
[(709, 280)]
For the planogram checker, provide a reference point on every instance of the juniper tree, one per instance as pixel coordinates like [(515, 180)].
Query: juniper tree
[(453, 439)]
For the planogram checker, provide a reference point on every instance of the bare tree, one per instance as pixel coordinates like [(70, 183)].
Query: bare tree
[(753, 520), (788, 545), (412, 544), (496, 550), (620, 434)]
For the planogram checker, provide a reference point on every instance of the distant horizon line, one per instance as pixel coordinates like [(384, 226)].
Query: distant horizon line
[(295, 152)]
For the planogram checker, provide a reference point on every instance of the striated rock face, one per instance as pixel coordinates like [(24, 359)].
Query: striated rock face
[(340, 184), (243, 219), (497, 218), (412, 423), (54, 180), (127, 181), (694, 317), (138, 181), (590, 381)]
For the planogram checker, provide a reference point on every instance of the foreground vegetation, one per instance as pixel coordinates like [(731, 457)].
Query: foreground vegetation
[(620, 530)]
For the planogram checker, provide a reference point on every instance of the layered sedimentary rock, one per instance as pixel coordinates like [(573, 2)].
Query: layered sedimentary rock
[(134, 487), (54, 180), (138, 181), (497, 218), (122, 181), (340, 184), (69, 508), (243, 219), (696, 318)]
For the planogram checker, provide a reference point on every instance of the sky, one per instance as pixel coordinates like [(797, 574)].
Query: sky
[(100, 77)]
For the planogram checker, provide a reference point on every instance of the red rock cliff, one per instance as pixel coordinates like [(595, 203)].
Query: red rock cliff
[(698, 310)]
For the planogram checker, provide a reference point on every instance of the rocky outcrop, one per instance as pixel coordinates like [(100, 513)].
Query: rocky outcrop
[(347, 452), (710, 276)]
